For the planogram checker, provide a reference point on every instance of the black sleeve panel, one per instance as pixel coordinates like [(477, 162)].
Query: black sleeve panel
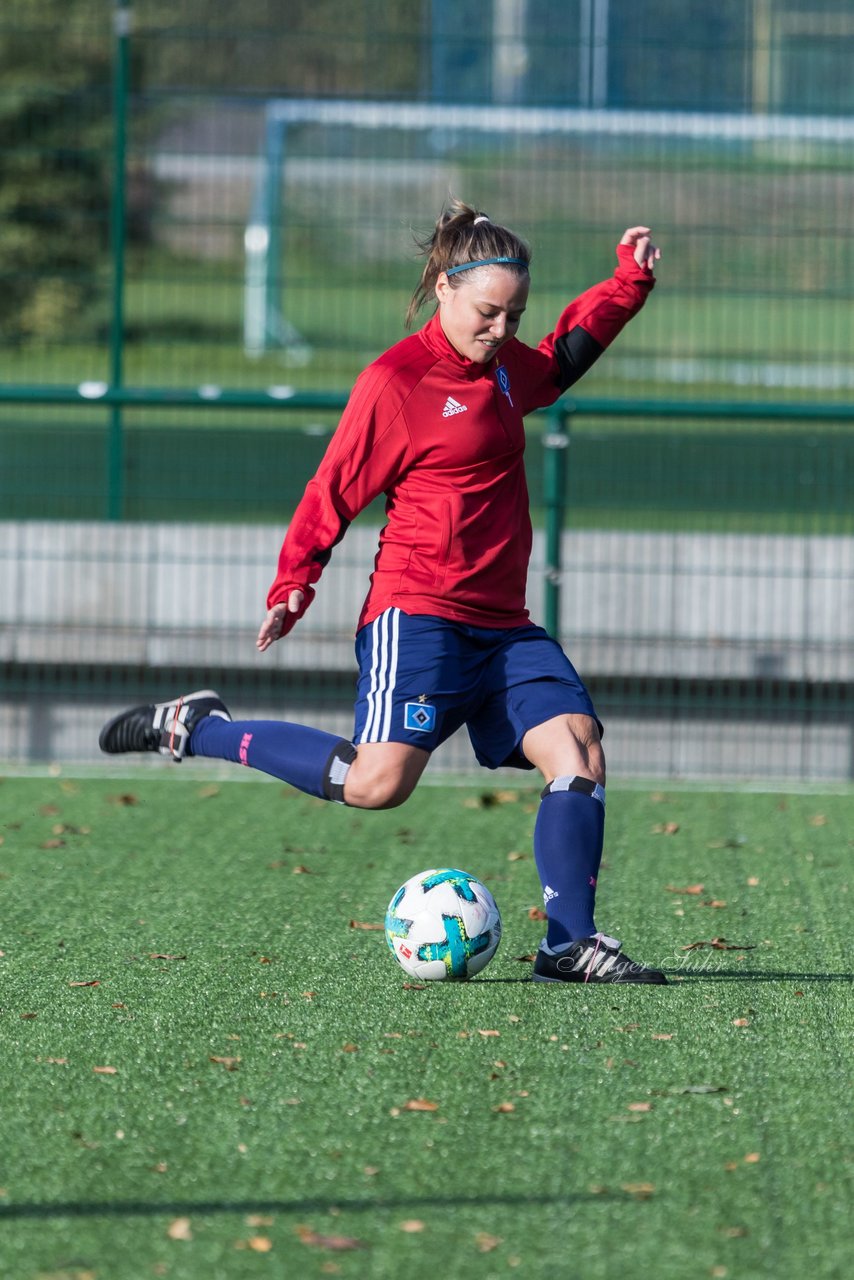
[(575, 352), (323, 557)]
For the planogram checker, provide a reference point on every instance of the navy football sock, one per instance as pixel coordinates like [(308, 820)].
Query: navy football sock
[(313, 761), (568, 838)]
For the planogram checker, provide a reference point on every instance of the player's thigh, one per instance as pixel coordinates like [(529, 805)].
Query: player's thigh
[(384, 774), (413, 681), (565, 745)]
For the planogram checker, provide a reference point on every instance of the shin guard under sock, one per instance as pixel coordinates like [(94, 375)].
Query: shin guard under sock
[(309, 759), (568, 839)]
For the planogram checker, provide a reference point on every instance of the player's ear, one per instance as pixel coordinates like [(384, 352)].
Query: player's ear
[(442, 287)]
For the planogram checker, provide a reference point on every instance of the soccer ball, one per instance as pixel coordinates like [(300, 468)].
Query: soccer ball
[(443, 924)]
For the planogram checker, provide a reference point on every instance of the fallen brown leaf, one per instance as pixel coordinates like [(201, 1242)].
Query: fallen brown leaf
[(640, 1106), (230, 1064), (411, 1225), (180, 1229), (640, 1190), (689, 888), (105, 1071), (664, 829), (714, 902), (360, 924), (504, 1108), (718, 944), (486, 1243), (535, 913), (96, 982), (420, 1104), (160, 955), (337, 1243), (753, 1157)]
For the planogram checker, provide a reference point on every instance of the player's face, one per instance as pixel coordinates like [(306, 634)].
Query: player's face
[(482, 312)]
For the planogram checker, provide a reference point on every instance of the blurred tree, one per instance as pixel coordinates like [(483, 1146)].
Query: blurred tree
[(55, 62), (312, 48)]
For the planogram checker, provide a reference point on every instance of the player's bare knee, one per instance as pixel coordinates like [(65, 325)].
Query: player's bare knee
[(595, 760), (372, 790), (587, 746)]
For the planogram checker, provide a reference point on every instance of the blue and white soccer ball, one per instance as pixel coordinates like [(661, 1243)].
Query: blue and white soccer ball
[(443, 924)]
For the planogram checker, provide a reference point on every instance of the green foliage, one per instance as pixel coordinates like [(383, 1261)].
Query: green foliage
[(312, 48), (54, 177)]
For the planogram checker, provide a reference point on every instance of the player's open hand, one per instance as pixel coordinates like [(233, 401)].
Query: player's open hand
[(646, 253), (279, 621)]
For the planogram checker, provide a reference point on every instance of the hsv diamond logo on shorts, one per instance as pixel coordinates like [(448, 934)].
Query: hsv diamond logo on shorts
[(453, 406), (419, 717)]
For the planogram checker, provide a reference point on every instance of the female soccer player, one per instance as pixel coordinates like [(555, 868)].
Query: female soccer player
[(444, 637)]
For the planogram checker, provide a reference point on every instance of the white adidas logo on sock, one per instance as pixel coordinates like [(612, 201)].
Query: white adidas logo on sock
[(453, 406)]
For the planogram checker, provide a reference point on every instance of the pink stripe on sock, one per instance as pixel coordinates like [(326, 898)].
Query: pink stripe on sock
[(244, 748)]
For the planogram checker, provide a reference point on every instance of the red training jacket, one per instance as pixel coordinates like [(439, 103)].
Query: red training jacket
[(443, 439)]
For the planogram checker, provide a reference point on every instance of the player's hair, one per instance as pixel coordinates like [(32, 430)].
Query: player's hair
[(461, 236)]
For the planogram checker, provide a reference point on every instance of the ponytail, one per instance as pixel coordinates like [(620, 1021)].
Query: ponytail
[(464, 239)]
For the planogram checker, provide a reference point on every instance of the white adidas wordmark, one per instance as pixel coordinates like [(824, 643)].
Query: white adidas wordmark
[(453, 406)]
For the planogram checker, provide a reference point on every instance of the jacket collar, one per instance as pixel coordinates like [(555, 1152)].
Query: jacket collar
[(433, 337)]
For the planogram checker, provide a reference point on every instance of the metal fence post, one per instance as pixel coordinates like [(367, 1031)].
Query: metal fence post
[(115, 448), (555, 443)]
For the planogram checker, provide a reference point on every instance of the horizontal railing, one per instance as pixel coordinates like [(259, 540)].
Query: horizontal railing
[(555, 437)]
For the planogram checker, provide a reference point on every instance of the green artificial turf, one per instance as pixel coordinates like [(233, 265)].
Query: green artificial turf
[(211, 1068)]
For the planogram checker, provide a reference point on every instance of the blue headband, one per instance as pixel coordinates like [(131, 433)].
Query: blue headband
[(488, 262)]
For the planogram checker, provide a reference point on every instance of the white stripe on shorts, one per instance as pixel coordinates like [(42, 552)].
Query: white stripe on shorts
[(384, 648)]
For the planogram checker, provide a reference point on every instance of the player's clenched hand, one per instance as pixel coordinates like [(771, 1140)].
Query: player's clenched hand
[(279, 621), (646, 253)]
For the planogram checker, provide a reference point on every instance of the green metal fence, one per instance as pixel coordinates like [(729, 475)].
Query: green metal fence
[(208, 230)]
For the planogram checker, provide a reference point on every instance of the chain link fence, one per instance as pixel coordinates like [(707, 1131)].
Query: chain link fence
[(208, 230)]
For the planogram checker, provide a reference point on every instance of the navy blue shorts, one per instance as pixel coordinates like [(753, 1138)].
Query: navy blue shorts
[(422, 678)]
